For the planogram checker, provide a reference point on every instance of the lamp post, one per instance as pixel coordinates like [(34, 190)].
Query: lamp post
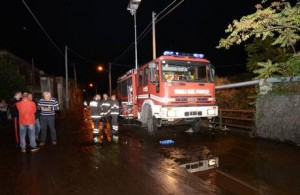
[(132, 7), (100, 69)]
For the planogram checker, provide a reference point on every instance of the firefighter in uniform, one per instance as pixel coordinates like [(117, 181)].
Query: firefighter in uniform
[(95, 106), (105, 114), (114, 115)]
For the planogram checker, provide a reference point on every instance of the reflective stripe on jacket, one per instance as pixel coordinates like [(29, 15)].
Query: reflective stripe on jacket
[(95, 106), (115, 108)]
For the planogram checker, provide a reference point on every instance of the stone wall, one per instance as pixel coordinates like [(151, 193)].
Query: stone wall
[(278, 117)]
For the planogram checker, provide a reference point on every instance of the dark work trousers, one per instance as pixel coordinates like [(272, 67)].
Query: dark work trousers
[(105, 120), (114, 123), (16, 129), (45, 122), (97, 133), (3, 117), (96, 122)]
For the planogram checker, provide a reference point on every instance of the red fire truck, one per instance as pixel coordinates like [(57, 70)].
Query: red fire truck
[(175, 88)]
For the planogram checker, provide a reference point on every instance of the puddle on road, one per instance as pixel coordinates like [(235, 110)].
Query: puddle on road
[(194, 162), (247, 166)]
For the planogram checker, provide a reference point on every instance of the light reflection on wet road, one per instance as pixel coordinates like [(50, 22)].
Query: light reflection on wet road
[(76, 166), (138, 164)]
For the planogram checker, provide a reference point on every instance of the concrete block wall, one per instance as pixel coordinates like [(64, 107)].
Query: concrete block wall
[(278, 117)]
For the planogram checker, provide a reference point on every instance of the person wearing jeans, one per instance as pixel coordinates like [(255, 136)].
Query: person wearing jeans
[(26, 109), (31, 134), (47, 106)]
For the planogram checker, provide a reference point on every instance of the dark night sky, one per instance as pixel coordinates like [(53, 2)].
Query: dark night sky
[(101, 30)]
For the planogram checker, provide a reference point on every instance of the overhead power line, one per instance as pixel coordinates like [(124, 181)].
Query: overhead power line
[(82, 57), (149, 28), (166, 8), (169, 11), (131, 46), (52, 41), (43, 29)]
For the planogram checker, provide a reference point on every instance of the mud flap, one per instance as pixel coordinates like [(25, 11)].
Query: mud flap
[(196, 126)]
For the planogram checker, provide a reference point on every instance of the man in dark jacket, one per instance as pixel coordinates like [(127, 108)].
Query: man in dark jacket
[(95, 105), (15, 114)]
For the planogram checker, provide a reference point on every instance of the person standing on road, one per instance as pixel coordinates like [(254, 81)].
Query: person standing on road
[(27, 109), (95, 106), (114, 115), (37, 124), (15, 115), (48, 106), (105, 114)]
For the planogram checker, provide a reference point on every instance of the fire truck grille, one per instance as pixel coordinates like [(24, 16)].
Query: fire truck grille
[(193, 113), (192, 99)]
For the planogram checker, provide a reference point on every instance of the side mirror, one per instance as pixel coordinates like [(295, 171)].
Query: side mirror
[(152, 65), (212, 73)]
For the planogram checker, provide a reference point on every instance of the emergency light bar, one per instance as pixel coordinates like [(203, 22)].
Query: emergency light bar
[(172, 53)]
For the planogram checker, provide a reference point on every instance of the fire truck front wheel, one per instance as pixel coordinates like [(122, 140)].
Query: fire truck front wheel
[(151, 122), (196, 126)]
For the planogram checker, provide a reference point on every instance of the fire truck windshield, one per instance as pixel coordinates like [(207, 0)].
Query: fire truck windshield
[(178, 70)]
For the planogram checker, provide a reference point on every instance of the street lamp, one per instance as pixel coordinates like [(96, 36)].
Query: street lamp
[(91, 85), (100, 69), (132, 7)]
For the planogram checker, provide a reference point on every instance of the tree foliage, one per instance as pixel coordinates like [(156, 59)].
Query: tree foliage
[(262, 50), (10, 79), (279, 21), (267, 69)]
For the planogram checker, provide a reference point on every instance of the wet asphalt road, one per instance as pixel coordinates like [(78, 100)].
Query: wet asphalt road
[(138, 164), (77, 166)]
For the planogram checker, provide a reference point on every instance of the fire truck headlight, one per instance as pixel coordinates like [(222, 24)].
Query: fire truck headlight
[(171, 113), (212, 162), (211, 99), (211, 112), (171, 99)]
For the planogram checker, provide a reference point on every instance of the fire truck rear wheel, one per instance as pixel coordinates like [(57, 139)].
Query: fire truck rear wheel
[(196, 126)]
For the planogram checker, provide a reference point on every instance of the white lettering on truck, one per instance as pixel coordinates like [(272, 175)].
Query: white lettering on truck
[(191, 91)]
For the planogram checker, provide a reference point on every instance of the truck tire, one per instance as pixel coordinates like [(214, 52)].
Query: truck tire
[(196, 126), (151, 123), (144, 116)]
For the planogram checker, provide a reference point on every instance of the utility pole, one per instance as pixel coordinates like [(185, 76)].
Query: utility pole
[(33, 75), (109, 78), (155, 18), (67, 84), (75, 78), (153, 35)]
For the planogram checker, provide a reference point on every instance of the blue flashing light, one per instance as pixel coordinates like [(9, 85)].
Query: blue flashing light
[(172, 53), (198, 55), (169, 53)]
